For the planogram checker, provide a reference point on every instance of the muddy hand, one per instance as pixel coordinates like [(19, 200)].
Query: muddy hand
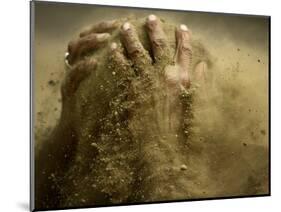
[(141, 82)]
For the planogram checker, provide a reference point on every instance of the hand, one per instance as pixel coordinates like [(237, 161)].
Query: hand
[(144, 98), (161, 118), (136, 100)]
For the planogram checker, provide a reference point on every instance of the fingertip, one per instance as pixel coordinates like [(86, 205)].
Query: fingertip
[(113, 49), (184, 28), (113, 46), (183, 32), (152, 22), (126, 26), (152, 17)]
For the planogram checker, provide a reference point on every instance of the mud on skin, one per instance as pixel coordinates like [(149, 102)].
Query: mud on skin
[(126, 132)]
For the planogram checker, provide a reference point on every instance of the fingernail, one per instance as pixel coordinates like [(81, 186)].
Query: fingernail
[(66, 60), (102, 36), (152, 17), (66, 55), (113, 46), (126, 26), (183, 27)]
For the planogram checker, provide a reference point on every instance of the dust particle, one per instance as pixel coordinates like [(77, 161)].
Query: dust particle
[(183, 167), (52, 83), (263, 132)]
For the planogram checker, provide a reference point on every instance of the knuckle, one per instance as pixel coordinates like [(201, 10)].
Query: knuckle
[(186, 49), (160, 42), (152, 25), (134, 48)]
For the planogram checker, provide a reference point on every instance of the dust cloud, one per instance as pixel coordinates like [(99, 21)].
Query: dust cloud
[(231, 115)]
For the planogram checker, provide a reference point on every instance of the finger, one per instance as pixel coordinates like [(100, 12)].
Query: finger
[(159, 42), (77, 74), (183, 55), (106, 26), (122, 70), (118, 59), (85, 44), (135, 50)]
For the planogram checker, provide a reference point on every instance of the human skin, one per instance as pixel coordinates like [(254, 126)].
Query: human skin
[(149, 113)]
